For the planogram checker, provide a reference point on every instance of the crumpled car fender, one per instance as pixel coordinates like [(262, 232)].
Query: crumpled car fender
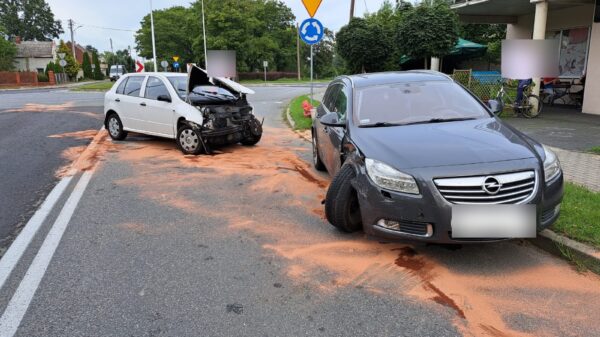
[(190, 113)]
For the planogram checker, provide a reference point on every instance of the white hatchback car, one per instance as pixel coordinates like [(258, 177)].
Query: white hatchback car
[(196, 110)]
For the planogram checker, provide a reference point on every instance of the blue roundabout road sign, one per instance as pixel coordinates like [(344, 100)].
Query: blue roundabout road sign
[(311, 31)]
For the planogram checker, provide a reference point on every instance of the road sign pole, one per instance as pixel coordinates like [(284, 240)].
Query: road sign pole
[(311, 74), (265, 75)]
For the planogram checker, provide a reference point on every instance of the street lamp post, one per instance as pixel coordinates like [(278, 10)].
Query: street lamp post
[(153, 41), (204, 38)]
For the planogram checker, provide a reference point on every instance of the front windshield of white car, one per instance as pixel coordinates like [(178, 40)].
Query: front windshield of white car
[(415, 102)]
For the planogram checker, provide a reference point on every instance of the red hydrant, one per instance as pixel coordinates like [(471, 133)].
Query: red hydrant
[(307, 107)]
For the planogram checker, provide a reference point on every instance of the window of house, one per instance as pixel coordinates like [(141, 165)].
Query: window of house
[(573, 51)]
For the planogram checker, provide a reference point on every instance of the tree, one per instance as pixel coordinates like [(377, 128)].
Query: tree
[(429, 29), (91, 49), (86, 66), (363, 45), (388, 17), (29, 19), (72, 67), (171, 33), (8, 51), (258, 30), (323, 53), (120, 57), (97, 71)]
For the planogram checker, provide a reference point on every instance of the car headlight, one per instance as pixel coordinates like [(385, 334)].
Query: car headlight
[(551, 164), (389, 178)]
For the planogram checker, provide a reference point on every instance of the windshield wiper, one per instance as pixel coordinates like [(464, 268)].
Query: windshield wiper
[(379, 125), (442, 120)]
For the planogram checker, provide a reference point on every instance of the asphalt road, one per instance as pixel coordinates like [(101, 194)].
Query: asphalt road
[(235, 244), (33, 124)]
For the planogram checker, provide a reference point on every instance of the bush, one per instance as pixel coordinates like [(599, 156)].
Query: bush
[(42, 77)]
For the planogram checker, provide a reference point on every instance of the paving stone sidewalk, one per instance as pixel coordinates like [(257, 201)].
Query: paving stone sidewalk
[(580, 168)]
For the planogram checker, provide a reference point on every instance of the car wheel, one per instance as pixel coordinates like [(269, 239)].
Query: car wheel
[(316, 156), (115, 127), (255, 133), (188, 140), (341, 203)]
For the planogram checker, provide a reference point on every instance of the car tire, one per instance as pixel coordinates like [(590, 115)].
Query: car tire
[(317, 162), (341, 203), (188, 140), (115, 127), (255, 133), (250, 141)]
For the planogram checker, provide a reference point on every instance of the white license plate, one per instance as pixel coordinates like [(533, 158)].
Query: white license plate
[(493, 221)]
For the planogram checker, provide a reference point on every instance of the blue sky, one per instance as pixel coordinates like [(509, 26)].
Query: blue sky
[(127, 14)]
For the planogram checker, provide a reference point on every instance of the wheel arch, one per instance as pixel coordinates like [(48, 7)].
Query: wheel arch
[(107, 115)]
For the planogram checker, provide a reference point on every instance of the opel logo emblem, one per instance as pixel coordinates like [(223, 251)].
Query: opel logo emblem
[(491, 185)]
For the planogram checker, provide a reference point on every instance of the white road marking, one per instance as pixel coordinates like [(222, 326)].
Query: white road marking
[(11, 319), (18, 247)]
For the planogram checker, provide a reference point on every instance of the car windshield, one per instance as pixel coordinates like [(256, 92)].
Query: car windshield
[(180, 85), (415, 102)]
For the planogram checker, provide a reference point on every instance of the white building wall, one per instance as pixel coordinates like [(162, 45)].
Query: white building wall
[(31, 64), (591, 99)]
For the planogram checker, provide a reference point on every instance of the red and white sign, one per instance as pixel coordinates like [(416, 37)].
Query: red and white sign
[(139, 67)]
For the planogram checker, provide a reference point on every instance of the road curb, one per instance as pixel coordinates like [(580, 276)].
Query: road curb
[(289, 117), (579, 253)]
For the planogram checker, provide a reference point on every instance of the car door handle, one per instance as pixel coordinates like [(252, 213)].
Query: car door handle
[(117, 100), (143, 104)]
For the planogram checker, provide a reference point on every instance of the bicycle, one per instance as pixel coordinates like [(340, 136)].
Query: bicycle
[(527, 104)]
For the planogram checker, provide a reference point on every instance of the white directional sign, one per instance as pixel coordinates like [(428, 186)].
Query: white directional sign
[(62, 63)]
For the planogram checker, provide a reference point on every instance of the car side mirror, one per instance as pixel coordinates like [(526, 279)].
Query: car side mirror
[(331, 119), (494, 106), (164, 98)]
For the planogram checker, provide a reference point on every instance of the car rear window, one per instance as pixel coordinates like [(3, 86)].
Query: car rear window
[(414, 102), (133, 86)]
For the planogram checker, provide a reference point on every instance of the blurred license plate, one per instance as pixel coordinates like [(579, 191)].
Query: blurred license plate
[(493, 221)]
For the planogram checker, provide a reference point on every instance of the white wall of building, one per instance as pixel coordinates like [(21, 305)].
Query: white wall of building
[(591, 99), (31, 63)]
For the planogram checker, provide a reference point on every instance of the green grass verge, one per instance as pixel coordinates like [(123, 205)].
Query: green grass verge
[(96, 86), (297, 112), (595, 150), (580, 215)]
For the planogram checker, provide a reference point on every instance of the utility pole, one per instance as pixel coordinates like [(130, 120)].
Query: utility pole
[(111, 46), (204, 38), (153, 41), (72, 39), (351, 10), (298, 51)]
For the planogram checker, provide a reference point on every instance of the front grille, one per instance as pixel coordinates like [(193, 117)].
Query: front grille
[(414, 228), (512, 188)]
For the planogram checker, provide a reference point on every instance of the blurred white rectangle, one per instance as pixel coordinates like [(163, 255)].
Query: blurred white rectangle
[(493, 221), (221, 63), (525, 59)]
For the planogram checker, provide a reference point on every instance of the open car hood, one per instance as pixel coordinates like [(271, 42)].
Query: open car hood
[(197, 76)]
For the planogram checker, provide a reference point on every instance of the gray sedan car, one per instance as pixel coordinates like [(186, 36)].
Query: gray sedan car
[(415, 155)]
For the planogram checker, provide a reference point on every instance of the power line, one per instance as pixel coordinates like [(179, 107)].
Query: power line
[(107, 28)]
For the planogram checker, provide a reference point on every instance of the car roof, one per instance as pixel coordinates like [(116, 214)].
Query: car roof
[(146, 73), (393, 77)]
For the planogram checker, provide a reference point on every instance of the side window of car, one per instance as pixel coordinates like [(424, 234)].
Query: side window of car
[(133, 86), (155, 87), (331, 97), (121, 87), (340, 103)]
